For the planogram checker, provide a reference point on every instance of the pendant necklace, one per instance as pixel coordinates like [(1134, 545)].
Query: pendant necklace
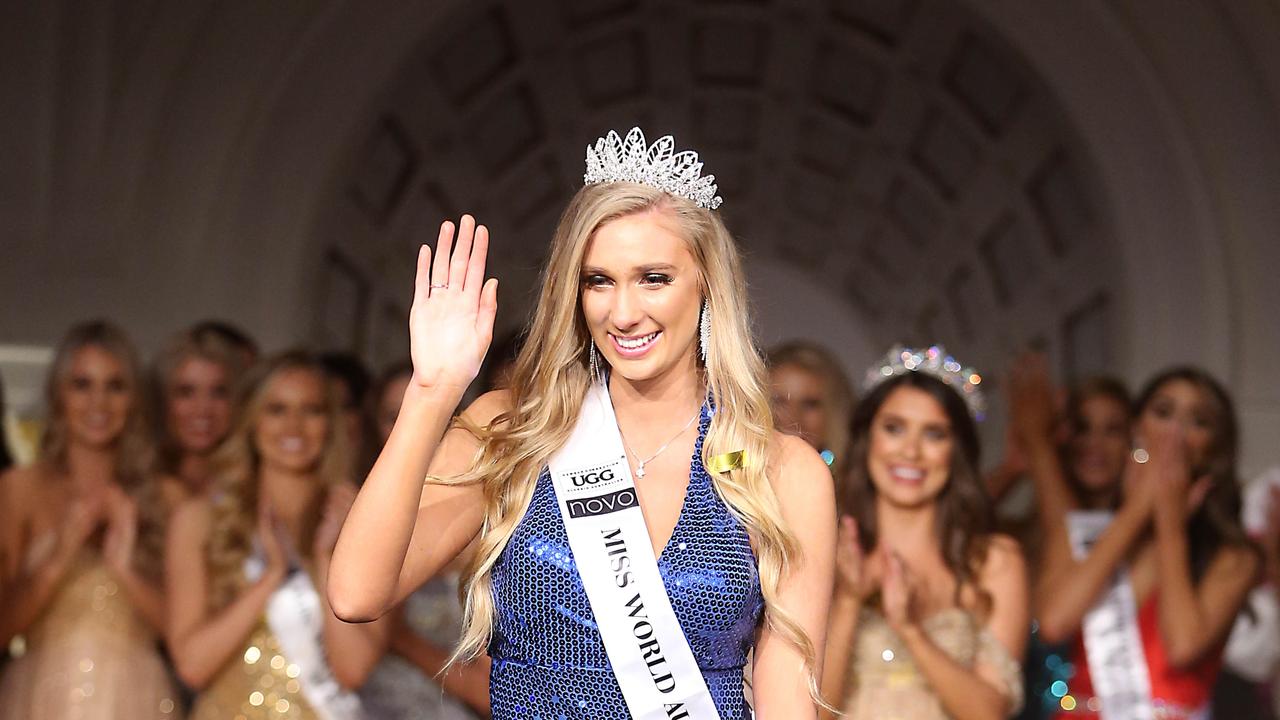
[(641, 463)]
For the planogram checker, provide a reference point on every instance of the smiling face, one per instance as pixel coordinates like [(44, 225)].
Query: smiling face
[(641, 296), (800, 403), (198, 404), (96, 396), (910, 448), (1099, 442), (292, 425), (1183, 407)]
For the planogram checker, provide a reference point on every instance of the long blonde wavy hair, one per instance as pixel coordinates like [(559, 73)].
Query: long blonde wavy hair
[(134, 450), (235, 466), (199, 342), (551, 378)]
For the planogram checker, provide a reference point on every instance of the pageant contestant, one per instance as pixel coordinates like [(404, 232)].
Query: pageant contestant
[(245, 625), (194, 378), (641, 526), (811, 398), (1092, 440), (1149, 591), (930, 613), (81, 541)]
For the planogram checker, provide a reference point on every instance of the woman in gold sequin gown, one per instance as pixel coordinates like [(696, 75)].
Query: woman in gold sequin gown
[(930, 613), (80, 545), (264, 536)]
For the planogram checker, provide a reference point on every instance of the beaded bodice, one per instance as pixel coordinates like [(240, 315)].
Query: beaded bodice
[(548, 658)]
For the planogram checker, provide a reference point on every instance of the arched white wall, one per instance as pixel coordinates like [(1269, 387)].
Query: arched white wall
[(167, 162)]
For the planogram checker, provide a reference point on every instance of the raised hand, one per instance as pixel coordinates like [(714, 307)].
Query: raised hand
[(1031, 410), (451, 322)]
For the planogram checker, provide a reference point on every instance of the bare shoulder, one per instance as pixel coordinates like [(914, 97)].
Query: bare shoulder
[(1004, 561), (20, 491), (192, 517), (799, 476), (484, 409), (172, 491), (1236, 560)]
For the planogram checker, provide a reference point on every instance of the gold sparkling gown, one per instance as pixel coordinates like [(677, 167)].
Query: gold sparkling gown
[(259, 684), (89, 656), (884, 683)]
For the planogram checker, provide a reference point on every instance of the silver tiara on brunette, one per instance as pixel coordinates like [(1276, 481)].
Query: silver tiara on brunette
[(935, 361), (614, 159)]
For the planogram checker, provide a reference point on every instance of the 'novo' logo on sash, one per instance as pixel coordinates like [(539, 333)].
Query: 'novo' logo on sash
[(602, 504)]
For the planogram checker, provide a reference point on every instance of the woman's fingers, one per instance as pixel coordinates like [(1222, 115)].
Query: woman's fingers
[(422, 276), (474, 279), (461, 252), (440, 269)]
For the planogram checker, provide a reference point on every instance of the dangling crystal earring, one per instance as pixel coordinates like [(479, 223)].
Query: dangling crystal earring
[(593, 363), (704, 330)]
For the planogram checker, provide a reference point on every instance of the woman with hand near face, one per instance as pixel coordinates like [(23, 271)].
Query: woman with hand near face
[(194, 377), (246, 627), (80, 548), (640, 527), (929, 617), (1155, 585)]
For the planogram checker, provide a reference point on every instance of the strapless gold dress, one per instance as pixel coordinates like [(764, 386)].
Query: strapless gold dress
[(885, 684), (89, 656), (258, 684)]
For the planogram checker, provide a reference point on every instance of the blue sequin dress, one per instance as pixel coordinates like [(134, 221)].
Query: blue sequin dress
[(549, 662)]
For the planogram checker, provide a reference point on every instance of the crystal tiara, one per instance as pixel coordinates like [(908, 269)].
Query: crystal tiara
[(614, 159), (935, 361)]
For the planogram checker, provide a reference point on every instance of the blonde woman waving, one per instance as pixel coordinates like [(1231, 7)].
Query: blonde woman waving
[(641, 527)]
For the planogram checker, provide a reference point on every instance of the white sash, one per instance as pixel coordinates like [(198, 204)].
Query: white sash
[(293, 614), (1113, 644), (647, 649)]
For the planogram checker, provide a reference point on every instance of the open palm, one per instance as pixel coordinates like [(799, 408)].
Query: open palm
[(451, 322)]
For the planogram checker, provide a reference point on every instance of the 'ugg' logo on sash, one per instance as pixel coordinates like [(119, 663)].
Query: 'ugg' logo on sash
[(602, 504)]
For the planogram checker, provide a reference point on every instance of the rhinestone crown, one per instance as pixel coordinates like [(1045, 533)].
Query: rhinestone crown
[(935, 361), (614, 159)]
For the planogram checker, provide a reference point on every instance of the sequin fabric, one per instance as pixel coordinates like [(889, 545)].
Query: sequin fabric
[(885, 684), (549, 662), (89, 655)]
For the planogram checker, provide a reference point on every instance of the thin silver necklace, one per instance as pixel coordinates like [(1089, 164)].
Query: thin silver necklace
[(641, 463)]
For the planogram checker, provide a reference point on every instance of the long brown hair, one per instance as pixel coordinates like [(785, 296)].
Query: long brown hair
[(235, 465), (134, 451), (964, 519), (1216, 522)]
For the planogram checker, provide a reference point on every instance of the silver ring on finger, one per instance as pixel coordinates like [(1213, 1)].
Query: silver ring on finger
[(1141, 456), (434, 286)]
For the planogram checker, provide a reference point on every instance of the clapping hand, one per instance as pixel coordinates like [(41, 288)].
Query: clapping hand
[(336, 506), (854, 577), (122, 531), (276, 545), (451, 323), (898, 593)]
